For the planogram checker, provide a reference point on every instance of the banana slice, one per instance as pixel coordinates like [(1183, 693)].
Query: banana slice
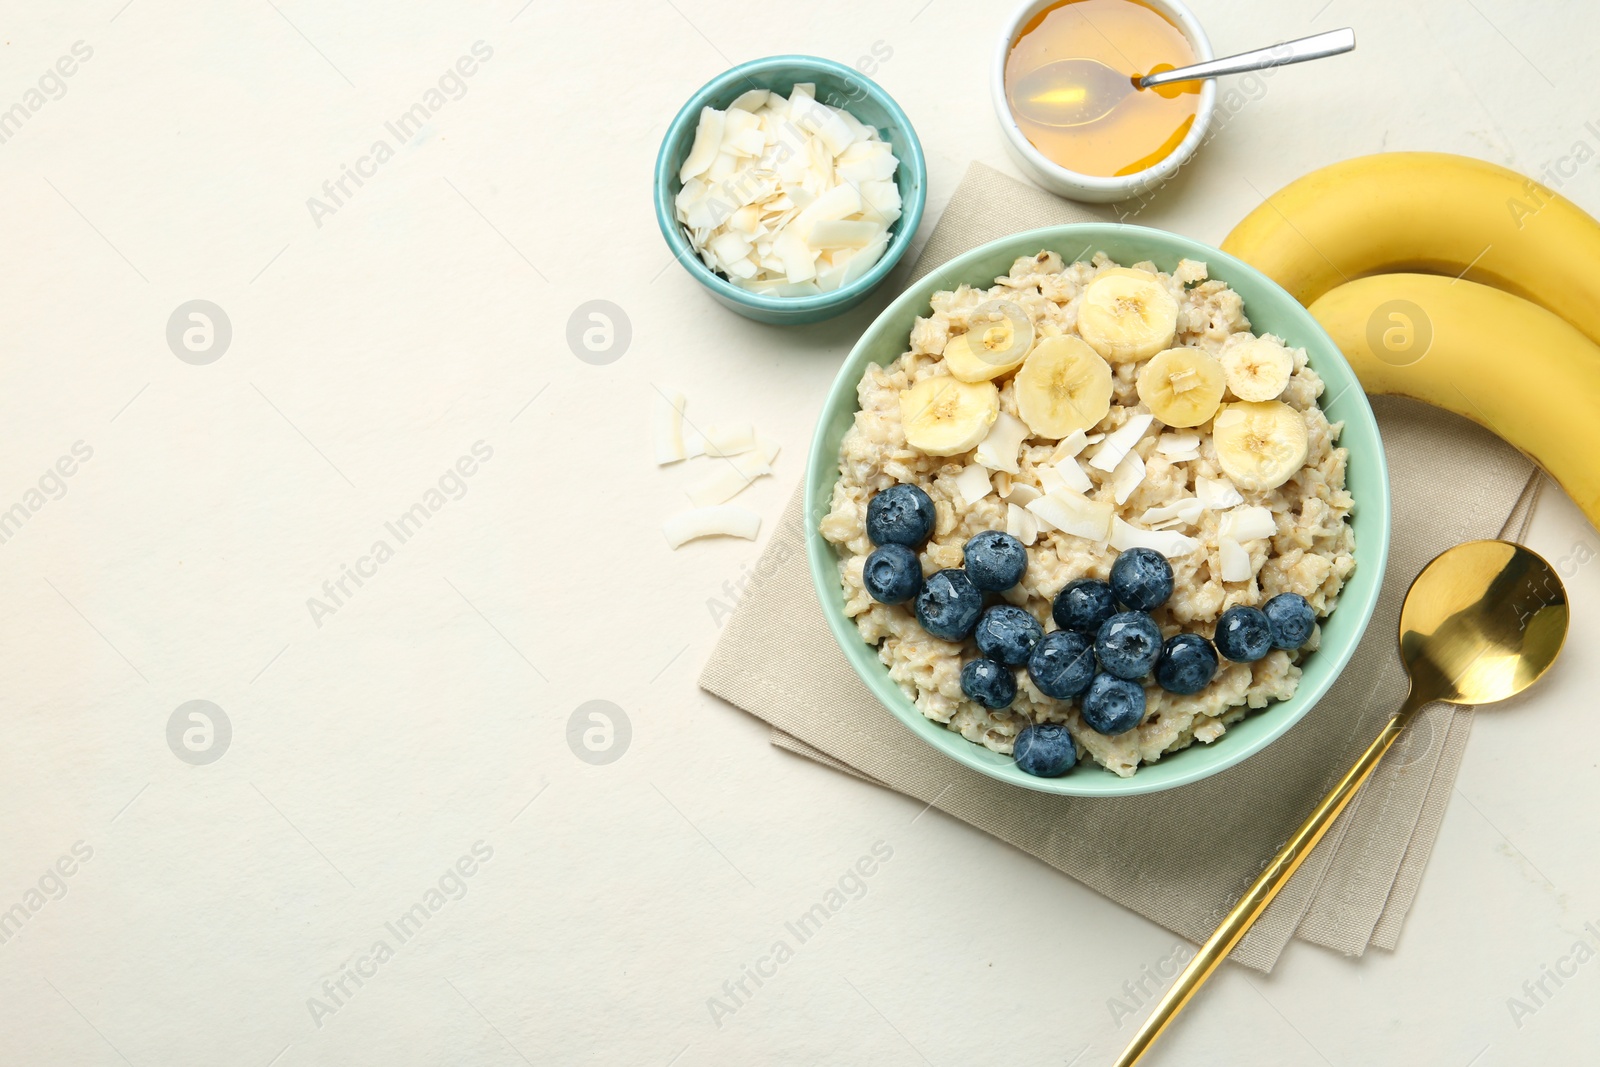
[(1127, 315), (1182, 386), (943, 416), (1064, 386), (1257, 369), (1260, 444), (999, 339)]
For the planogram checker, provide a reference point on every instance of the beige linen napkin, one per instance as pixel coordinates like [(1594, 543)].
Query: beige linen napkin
[(1179, 857)]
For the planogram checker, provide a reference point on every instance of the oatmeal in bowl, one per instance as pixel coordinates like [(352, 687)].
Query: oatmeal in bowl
[(1092, 514)]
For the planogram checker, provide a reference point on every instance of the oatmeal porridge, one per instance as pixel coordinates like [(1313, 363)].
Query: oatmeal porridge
[(1074, 415)]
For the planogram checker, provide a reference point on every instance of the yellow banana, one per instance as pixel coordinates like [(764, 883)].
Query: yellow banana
[(1433, 212), (1497, 359)]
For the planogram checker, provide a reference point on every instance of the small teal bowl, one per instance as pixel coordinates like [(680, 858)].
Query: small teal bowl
[(1270, 310), (838, 86)]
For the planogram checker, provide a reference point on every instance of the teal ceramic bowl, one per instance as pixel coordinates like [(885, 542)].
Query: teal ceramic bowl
[(838, 86), (1271, 310)]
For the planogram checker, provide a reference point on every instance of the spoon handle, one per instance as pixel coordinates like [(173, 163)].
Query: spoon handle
[(1268, 885), (1317, 46)]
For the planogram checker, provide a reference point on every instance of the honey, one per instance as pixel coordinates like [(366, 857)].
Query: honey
[(1139, 127)]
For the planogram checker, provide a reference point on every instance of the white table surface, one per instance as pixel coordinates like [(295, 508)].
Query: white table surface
[(370, 752)]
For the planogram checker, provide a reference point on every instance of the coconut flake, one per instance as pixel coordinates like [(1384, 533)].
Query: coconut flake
[(864, 260), (1186, 511), (1118, 443), (1234, 559), (998, 451), (727, 479), (1127, 477), (1216, 494), (707, 142), (1176, 444), (723, 520), (1073, 476), (844, 233), (1069, 446), (666, 425), (1022, 494), (973, 484), (1248, 523), (728, 440), (1074, 513), (1022, 524), (751, 100), (1167, 542)]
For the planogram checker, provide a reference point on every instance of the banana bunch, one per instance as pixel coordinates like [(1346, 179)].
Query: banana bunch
[(1513, 345)]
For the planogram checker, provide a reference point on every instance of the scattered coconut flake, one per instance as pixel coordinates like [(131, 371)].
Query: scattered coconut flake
[(1235, 560), (1069, 446), (1167, 542), (1186, 511), (666, 425), (973, 484), (1216, 494), (1127, 477), (723, 520), (1248, 523), (998, 451), (1073, 476), (1022, 494), (1120, 441), (1022, 524), (1172, 444), (727, 479), (1094, 438), (728, 440), (1074, 513)]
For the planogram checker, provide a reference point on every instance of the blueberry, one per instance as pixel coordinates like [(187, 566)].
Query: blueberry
[(1008, 634), (1113, 705), (1083, 605), (1045, 750), (989, 683), (1128, 644), (1244, 634), (900, 515), (892, 574), (1291, 619), (995, 560), (1187, 664), (949, 604), (1142, 578), (1062, 664)]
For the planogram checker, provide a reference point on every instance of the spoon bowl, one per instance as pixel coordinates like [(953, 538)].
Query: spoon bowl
[(1482, 622), (1075, 92), (1070, 92)]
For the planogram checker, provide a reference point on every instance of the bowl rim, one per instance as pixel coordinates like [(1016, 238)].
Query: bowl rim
[(910, 211), (1359, 598), (1125, 184)]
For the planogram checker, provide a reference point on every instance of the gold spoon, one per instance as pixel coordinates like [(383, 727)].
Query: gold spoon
[(1482, 622), (1074, 92)]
